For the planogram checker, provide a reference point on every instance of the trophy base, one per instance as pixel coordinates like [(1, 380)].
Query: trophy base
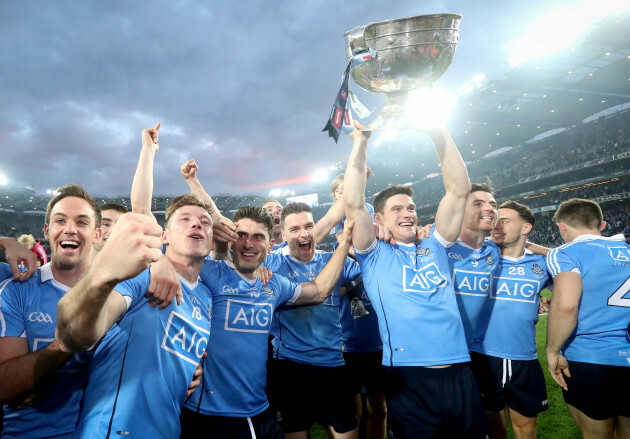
[(394, 116)]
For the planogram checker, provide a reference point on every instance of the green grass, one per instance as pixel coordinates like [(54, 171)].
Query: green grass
[(555, 423)]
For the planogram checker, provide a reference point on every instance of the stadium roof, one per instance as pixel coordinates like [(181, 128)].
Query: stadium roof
[(558, 91)]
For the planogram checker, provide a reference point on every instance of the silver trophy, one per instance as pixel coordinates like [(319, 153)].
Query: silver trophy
[(399, 56)]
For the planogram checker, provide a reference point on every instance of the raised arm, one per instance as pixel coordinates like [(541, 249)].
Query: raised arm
[(318, 291), (89, 309), (450, 213), (142, 186), (354, 181), (334, 215), (223, 228)]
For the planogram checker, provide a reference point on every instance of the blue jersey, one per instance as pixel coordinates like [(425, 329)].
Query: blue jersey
[(471, 270), (5, 271), (29, 310), (309, 334), (604, 308), (359, 335), (507, 325), (235, 371), (339, 226), (143, 366), (412, 293), (283, 244)]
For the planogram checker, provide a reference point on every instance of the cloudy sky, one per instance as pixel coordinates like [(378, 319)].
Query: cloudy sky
[(244, 87)]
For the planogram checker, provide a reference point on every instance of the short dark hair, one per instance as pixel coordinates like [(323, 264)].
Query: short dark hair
[(181, 201), (579, 213), (257, 214), (115, 207), (523, 211), (482, 187), (73, 190), (294, 208), (385, 194)]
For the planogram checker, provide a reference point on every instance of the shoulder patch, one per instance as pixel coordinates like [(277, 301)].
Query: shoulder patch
[(421, 251), (267, 290), (489, 260)]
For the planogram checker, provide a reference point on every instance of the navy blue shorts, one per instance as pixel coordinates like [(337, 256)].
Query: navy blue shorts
[(434, 403), (261, 426), (519, 384), (366, 371), (597, 390)]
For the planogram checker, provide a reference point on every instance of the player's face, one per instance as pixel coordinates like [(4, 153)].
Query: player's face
[(298, 232), (108, 221), (339, 191), (399, 216), (251, 247), (189, 232), (275, 209), (481, 212), (71, 233), (509, 229)]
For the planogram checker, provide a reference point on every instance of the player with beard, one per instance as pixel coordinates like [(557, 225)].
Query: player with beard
[(41, 383), (231, 401), (473, 257), (275, 210), (504, 358), (307, 340)]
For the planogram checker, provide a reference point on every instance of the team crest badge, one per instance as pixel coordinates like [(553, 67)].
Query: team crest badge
[(267, 290), (421, 251), (489, 260), (536, 269)]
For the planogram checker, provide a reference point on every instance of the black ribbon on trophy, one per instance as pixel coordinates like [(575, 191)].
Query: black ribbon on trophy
[(340, 113)]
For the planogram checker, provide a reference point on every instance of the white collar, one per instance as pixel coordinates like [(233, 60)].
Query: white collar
[(589, 237), (46, 274), (188, 284)]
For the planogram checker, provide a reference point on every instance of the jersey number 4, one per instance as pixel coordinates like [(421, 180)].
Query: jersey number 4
[(617, 298)]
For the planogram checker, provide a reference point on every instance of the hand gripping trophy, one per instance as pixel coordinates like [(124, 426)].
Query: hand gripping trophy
[(400, 56)]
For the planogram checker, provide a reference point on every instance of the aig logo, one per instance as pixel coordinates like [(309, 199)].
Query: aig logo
[(620, 254), (185, 339), (40, 317), (425, 280), (511, 288), (471, 283), (244, 316)]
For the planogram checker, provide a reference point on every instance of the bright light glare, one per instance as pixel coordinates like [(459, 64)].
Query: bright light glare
[(3, 179), (320, 175), (429, 107), (559, 29), (275, 192)]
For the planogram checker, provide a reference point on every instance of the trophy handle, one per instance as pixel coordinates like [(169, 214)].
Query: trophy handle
[(356, 40)]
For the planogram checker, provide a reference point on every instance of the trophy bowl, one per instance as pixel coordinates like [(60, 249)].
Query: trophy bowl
[(406, 54)]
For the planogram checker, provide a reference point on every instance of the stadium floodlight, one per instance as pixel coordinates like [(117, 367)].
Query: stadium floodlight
[(559, 29), (429, 107), (3, 179), (275, 192), (320, 175)]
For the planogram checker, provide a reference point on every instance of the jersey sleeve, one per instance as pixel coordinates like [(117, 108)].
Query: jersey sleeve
[(273, 261), (133, 290), (11, 313), (351, 271), (436, 235), (288, 292), (558, 260)]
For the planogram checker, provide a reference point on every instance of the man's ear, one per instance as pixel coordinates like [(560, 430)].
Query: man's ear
[(378, 219), (164, 238), (271, 243), (527, 227), (602, 226), (46, 232), (97, 235)]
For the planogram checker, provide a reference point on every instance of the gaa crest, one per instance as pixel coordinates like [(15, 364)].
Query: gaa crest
[(536, 269)]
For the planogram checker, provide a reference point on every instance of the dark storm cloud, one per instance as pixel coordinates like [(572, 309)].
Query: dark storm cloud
[(243, 87)]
